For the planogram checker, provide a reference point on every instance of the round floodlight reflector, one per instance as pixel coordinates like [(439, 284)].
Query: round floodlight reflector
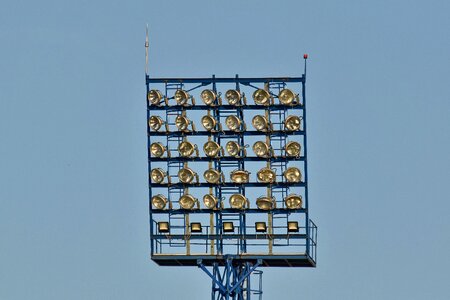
[(238, 201), (186, 148), (159, 201), (293, 201), (233, 148), (212, 176), (261, 149), (266, 175), (182, 123), (157, 175), (208, 122), (240, 176), (186, 175), (265, 203), (233, 97), (155, 122), (233, 123), (154, 97), (210, 201), (208, 97), (157, 149), (292, 123), (181, 97), (261, 97), (187, 201), (260, 123), (293, 149), (293, 174), (211, 148), (286, 97)]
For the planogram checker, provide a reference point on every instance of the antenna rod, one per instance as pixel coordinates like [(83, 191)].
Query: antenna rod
[(146, 50)]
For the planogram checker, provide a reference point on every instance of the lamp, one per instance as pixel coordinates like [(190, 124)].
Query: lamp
[(154, 97), (287, 97), (228, 227), (238, 201), (186, 148), (188, 201), (266, 175), (159, 201), (187, 175), (293, 226), (163, 227), (293, 149), (210, 201), (208, 122), (260, 227), (157, 175), (265, 203), (292, 123), (212, 176), (233, 123), (293, 201), (196, 227), (239, 176), (155, 122), (157, 149), (293, 174), (208, 97), (211, 148), (234, 149), (182, 123), (233, 97), (260, 123), (181, 97), (261, 149), (261, 97)]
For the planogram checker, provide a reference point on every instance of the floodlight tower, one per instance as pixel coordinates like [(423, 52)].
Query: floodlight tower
[(246, 159)]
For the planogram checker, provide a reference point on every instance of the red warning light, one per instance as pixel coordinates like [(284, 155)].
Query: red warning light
[(305, 56)]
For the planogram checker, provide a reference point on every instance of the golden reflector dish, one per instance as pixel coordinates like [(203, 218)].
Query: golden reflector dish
[(208, 122), (155, 122), (186, 148), (261, 97), (210, 201), (233, 123), (212, 176), (157, 175), (233, 148), (157, 149), (233, 97), (238, 201), (261, 149), (266, 175), (293, 201), (208, 97), (154, 97), (159, 201), (292, 123), (181, 97), (182, 123), (211, 149), (293, 174), (239, 176), (187, 201), (260, 123), (186, 175), (265, 203), (286, 97), (293, 149)]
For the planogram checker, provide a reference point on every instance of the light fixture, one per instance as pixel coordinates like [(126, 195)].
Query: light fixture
[(287, 97), (212, 176), (155, 122), (154, 97), (187, 175), (181, 97), (260, 123), (196, 227), (260, 227), (293, 226), (210, 201), (208, 97), (163, 227), (182, 123), (233, 97), (239, 176), (266, 175), (234, 149), (159, 201), (208, 122), (188, 201), (261, 97), (158, 175), (293, 201), (186, 149), (293, 149), (211, 149), (265, 203), (238, 201), (261, 149), (228, 227), (292, 123), (233, 123), (157, 149), (293, 174)]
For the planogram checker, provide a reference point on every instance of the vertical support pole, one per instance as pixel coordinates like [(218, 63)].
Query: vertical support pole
[(306, 160), (187, 235)]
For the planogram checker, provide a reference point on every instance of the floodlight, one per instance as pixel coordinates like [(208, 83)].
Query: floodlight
[(182, 123), (233, 123), (196, 227), (293, 201), (157, 149), (158, 175), (210, 201), (287, 97), (159, 201), (186, 148), (261, 97), (233, 97), (234, 149), (261, 149), (260, 123), (208, 97), (293, 149), (292, 123), (181, 97), (187, 175), (260, 227), (188, 201), (211, 149), (293, 226), (154, 97), (163, 227), (228, 227), (212, 176), (208, 122), (155, 122), (266, 175), (265, 203), (239, 176), (293, 174), (238, 201)]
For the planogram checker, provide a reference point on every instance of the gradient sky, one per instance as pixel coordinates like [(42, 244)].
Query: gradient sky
[(73, 168)]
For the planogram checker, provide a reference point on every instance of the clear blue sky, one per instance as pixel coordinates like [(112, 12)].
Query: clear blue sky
[(73, 173)]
